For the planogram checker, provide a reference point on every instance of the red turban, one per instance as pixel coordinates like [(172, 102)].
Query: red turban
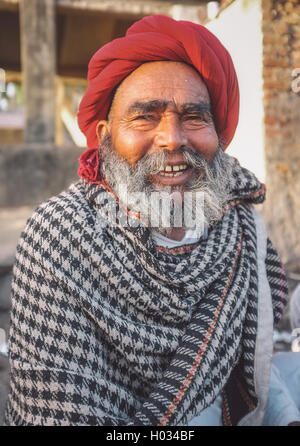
[(155, 38)]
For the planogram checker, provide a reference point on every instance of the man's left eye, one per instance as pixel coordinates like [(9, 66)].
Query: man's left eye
[(193, 118), (145, 116)]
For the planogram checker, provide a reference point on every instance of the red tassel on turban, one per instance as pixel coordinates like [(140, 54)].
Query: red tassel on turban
[(157, 38)]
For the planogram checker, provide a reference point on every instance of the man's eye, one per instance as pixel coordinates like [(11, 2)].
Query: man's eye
[(194, 117), (146, 116)]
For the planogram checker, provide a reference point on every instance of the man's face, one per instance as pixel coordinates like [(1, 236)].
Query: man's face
[(162, 106)]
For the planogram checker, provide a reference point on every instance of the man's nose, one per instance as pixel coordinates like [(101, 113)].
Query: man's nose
[(170, 135)]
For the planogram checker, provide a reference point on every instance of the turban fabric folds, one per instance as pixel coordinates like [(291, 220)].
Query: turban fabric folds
[(157, 38)]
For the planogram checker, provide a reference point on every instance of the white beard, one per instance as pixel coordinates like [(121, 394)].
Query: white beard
[(198, 205)]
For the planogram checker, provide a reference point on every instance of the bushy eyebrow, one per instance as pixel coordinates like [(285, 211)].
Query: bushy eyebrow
[(196, 107), (147, 106), (201, 107)]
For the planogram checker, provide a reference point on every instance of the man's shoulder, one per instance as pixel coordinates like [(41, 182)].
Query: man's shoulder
[(64, 214), (72, 198)]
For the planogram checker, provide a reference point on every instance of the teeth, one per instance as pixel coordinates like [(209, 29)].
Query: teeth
[(175, 168), (170, 174)]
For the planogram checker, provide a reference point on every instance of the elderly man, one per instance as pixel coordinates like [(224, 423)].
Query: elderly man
[(121, 315)]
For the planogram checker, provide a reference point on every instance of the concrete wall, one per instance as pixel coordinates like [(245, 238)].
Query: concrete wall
[(31, 174)]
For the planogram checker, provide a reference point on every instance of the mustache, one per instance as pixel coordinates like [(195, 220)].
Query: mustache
[(207, 175), (151, 164), (158, 161)]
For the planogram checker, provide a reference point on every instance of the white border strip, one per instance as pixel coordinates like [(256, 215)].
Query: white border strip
[(264, 340)]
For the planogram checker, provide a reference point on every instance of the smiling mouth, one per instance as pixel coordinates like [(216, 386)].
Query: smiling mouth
[(174, 174), (173, 170)]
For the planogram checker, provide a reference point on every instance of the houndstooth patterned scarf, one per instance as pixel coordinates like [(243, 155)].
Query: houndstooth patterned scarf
[(109, 330)]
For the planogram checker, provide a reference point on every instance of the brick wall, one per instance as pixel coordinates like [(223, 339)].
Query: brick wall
[(281, 55)]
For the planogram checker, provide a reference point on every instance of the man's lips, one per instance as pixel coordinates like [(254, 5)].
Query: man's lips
[(174, 178)]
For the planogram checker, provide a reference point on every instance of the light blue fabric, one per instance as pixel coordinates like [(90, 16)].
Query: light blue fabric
[(283, 404), (210, 416), (288, 364)]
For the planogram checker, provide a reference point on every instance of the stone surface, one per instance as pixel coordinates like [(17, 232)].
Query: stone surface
[(5, 321), (31, 174), (12, 222), (131, 7), (5, 290), (38, 55)]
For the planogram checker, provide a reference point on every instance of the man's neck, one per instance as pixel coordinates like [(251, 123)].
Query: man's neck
[(175, 233)]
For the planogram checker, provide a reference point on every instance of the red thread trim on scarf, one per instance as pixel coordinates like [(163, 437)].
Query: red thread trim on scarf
[(226, 411), (259, 192), (203, 347), (245, 396), (132, 214), (179, 250)]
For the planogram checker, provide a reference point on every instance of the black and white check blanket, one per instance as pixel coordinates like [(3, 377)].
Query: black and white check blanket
[(108, 330)]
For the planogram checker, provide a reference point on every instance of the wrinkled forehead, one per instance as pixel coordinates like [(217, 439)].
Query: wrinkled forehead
[(162, 80)]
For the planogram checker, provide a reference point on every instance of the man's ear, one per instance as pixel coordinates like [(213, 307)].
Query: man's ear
[(102, 129)]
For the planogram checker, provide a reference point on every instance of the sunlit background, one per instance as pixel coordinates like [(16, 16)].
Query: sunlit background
[(243, 40)]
